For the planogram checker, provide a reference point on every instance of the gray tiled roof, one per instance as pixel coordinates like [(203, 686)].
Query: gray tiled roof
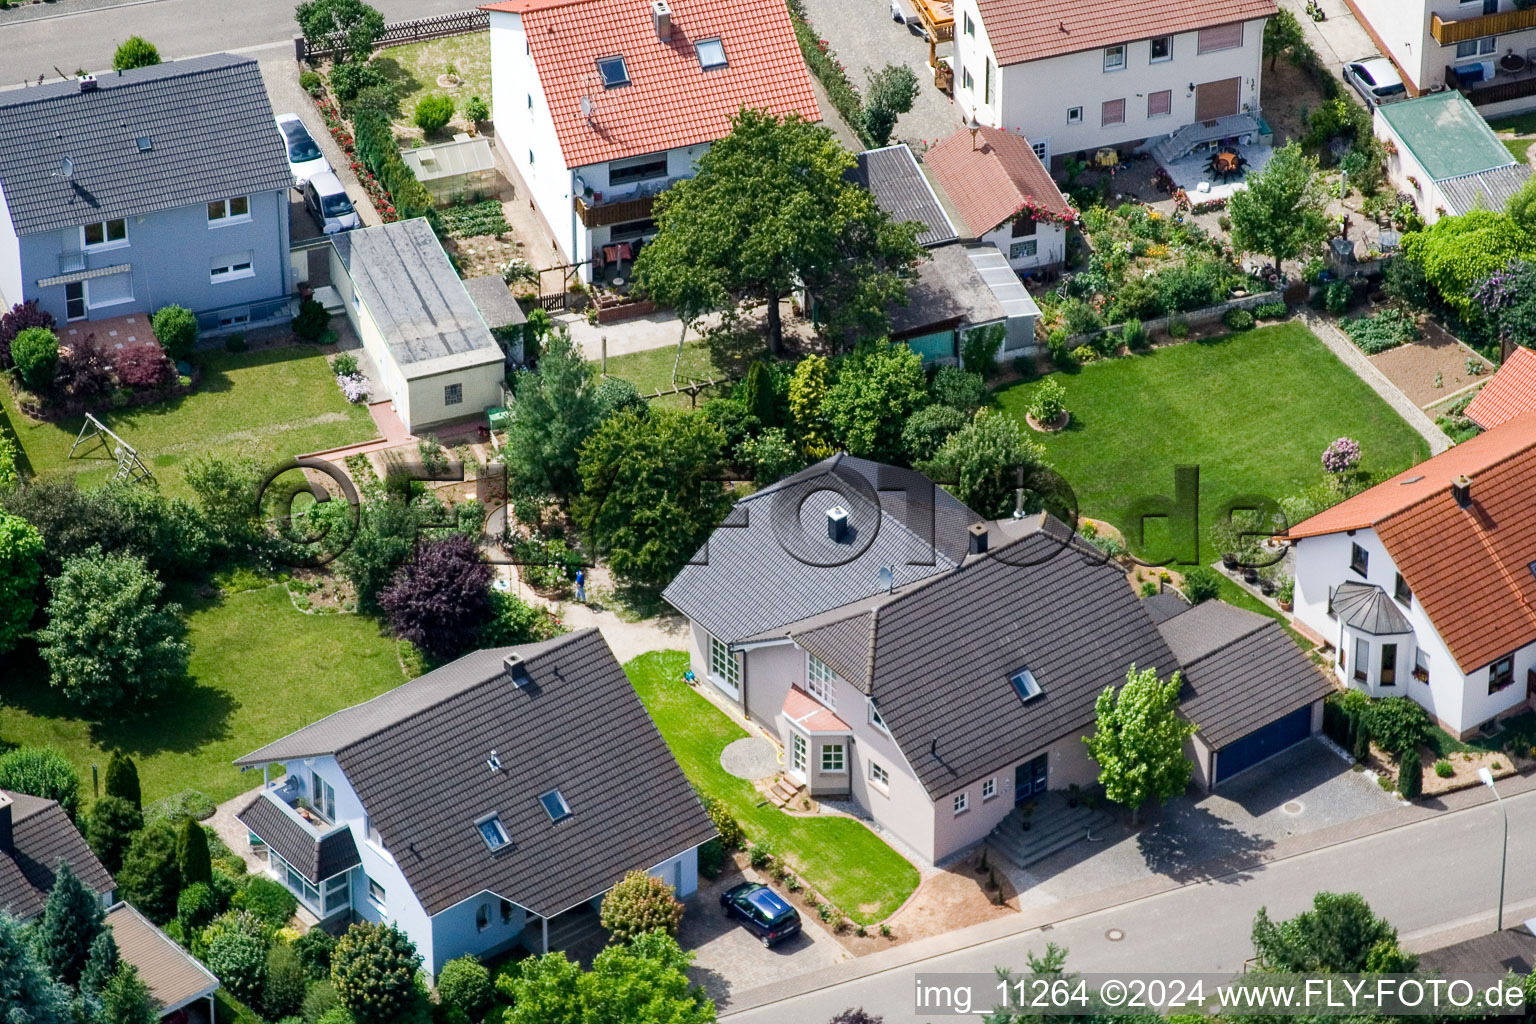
[(208, 119), (892, 176), (417, 759), (316, 859), (746, 580), (1240, 670), (1487, 190), (1366, 607), (42, 835), (427, 318), (494, 301), (1513, 949)]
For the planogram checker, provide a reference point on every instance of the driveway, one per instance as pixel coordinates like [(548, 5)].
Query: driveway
[(1303, 789), (727, 957), (864, 36)]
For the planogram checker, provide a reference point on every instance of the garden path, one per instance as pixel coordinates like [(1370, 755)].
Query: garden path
[(1353, 358)]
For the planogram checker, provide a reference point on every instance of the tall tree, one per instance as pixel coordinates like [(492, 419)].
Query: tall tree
[(125, 999), (1458, 253), (982, 461), (21, 545), (100, 964), (757, 394), (1138, 740), (226, 491), (72, 918), (440, 599), (879, 386), (892, 91), (27, 994), (109, 640), (192, 860), (1279, 211), (350, 25), (1340, 935), (1281, 32), (109, 828), (149, 877), (768, 211), (651, 492), (555, 412), (123, 779)]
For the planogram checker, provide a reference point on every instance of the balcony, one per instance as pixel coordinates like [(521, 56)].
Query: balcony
[(291, 797), (599, 209), (1502, 87), (1449, 33)]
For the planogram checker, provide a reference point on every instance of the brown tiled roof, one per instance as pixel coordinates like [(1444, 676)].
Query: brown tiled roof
[(988, 179), (1511, 392), (43, 835), (1022, 30), (173, 976), (810, 714), (670, 100)]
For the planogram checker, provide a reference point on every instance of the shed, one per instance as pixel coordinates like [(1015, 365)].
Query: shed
[(464, 168), (1446, 156), (502, 313), (960, 289), (176, 981)]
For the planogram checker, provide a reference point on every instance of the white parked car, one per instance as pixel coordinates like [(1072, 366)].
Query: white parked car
[(1375, 79), (304, 157), (327, 202)]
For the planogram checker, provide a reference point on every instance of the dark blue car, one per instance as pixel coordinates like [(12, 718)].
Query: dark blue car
[(761, 911)]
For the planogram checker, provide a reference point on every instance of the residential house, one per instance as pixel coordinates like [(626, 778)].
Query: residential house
[(1077, 76), (602, 104), (937, 669), (1442, 152), (1424, 584), (1462, 44), (474, 804), (1508, 393), (181, 989), (35, 835), (1004, 195), (145, 188)]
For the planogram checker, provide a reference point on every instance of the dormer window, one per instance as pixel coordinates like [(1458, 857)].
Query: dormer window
[(1024, 684), (711, 53), (493, 832), (555, 805), (613, 71)]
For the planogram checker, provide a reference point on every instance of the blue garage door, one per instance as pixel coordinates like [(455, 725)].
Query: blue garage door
[(1263, 743)]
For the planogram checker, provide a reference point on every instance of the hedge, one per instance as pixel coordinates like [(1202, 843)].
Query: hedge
[(375, 147)]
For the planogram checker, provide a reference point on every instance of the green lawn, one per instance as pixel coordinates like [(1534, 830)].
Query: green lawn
[(1519, 124), (1253, 411), (259, 670), (838, 857), (270, 404), (651, 369), (414, 69), (1519, 148)]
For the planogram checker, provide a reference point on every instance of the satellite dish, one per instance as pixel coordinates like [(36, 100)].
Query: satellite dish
[(586, 106), (887, 579), (66, 168)]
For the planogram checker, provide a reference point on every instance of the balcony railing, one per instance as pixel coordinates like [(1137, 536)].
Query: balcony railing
[(1448, 33), (625, 208), (71, 262), (1502, 87), (288, 798)]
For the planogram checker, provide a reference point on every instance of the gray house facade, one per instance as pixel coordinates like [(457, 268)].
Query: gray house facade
[(156, 186)]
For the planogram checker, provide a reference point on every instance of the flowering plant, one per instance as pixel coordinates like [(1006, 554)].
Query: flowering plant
[(1341, 456), (355, 386)]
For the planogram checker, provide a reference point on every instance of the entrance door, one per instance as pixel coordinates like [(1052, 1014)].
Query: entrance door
[(74, 300), (797, 754), (1029, 779), (1217, 99)]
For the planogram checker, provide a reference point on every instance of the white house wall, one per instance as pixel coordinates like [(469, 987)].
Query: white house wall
[(456, 931), (1050, 245), (682, 162), (1403, 165), (10, 258), (481, 388), (1402, 27), (1033, 97)]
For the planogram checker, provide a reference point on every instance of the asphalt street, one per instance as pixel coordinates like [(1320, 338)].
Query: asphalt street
[(1436, 880)]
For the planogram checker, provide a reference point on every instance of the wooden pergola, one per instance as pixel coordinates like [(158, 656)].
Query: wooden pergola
[(938, 25)]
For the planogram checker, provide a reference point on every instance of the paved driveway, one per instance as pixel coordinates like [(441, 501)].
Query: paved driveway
[(727, 957), (864, 36)]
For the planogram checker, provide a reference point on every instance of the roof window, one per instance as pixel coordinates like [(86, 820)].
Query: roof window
[(711, 53), (1024, 684), (613, 70), (493, 832), (145, 143), (555, 805)]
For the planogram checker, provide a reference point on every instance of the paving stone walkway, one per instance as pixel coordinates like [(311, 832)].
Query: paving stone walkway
[(1346, 350)]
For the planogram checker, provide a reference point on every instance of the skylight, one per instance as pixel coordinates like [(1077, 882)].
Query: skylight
[(145, 143), (491, 830), (613, 71), (555, 805), (711, 53), (1024, 684)]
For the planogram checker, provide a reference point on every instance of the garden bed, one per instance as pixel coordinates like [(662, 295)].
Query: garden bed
[(1416, 367)]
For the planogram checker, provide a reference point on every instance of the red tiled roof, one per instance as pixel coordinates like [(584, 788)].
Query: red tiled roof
[(1511, 392), (670, 101), (810, 714), (1022, 30), (989, 178)]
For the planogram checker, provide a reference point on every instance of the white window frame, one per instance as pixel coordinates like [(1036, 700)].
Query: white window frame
[(482, 917), (106, 243), (85, 306), (970, 26), (839, 754), (1480, 47), (723, 668), (879, 777), (967, 81), (377, 895), (227, 214), (372, 834), (962, 802), (492, 819), (234, 267), (1074, 115), (1111, 62), (820, 681), (875, 719), (989, 789), (1024, 248), (1153, 58)]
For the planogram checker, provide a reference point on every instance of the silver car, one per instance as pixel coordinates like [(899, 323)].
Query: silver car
[(1376, 80), (327, 202), (304, 157)]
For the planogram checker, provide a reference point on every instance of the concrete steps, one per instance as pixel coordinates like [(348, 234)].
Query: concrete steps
[(1053, 827), (784, 791)]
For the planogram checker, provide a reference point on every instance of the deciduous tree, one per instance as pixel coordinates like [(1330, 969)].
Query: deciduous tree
[(42, 772), (1279, 212), (440, 598), (351, 25), (21, 545), (982, 460), (1458, 253), (135, 52), (374, 971), (641, 903), (555, 412), (1340, 935), (1138, 740), (879, 386), (639, 982), (892, 91)]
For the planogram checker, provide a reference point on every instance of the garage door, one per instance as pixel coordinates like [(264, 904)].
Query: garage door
[(1216, 99), (1263, 743)]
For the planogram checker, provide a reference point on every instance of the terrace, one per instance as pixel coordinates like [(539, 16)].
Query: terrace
[(1513, 77)]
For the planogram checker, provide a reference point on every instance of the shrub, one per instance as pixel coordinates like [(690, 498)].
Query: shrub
[(1443, 768), (1237, 319), (283, 993), (268, 899), (958, 389), (640, 903), (1399, 724), (465, 985), (337, 1015), (313, 320), (725, 823), (1269, 310), (42, 772), (476, 110), (109, 827), (135, 52), (440, 598), (189, 803), (320, 996), (1080, 318), (312, 83), (314, 950), (432, 112), (1338, 296), (711, 858), (374, 971), (1201, 583), (1178, 329), (1410, 773), (1387, 329), (928, 428), (344, 365), (979, 348), (348, 80), (1048, 401), (1341, 456), (1084, 354), (759, 856), (176, 329), (196, 907), (17, 319), (240, 961), (1133, 334), (149, 878), (1404, 281), (35, 352)]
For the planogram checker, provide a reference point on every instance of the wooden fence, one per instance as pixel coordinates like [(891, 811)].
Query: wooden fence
[(397, 33)]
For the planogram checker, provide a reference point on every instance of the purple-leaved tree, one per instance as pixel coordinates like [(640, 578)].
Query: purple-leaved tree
[(439, 599)]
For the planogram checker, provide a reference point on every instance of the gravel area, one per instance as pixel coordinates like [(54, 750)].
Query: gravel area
[(750, 758), (1415, 367)]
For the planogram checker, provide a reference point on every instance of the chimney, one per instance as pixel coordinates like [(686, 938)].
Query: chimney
[(1461, 490), (7, 845), (837, 523), (978, 544), (87, 83), (661, 17), (517, 671)]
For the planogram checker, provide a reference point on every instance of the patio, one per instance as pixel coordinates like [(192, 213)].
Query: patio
[(1193, 173), (110, 335)]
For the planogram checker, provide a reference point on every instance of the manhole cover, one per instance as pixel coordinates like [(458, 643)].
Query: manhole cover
[(1292, 807), (1114, 935)]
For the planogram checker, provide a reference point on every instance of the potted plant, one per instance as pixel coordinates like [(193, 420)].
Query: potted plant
[(1228, 539), (1027, 810), (1285, 594)]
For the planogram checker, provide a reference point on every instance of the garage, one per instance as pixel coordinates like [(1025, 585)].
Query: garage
[(1263, 743)]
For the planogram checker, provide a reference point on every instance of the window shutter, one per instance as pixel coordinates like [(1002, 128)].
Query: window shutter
[(1221, 37), (1114, 112)]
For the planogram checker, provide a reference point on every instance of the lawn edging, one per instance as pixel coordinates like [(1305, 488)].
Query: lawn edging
[(1204, 315)]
